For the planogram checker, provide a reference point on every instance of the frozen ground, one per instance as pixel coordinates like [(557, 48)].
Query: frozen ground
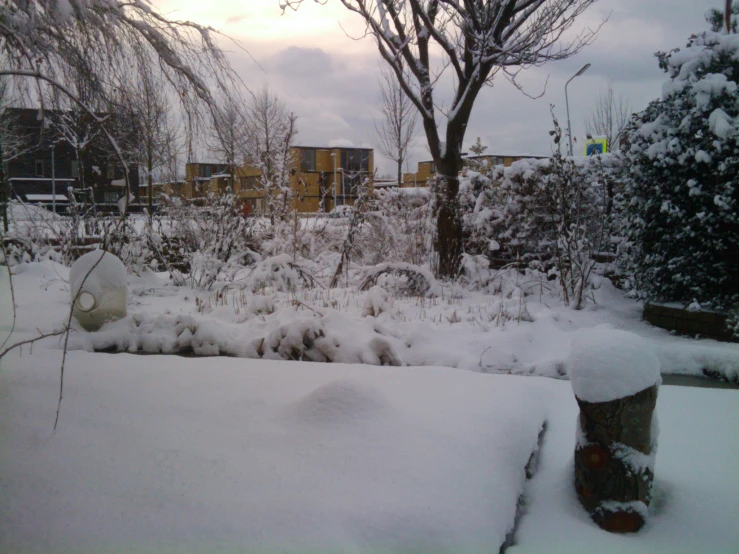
[(163, 453)]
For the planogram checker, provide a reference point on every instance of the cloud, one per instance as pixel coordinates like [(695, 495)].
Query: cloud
[(333, 89), (236, 19)]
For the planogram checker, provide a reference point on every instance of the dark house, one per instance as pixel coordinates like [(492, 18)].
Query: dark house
[(63, 157)]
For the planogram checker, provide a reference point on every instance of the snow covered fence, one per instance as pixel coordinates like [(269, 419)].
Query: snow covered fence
[(615, 376)]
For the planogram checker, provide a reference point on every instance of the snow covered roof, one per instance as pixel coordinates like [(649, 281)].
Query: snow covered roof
[(46, 198), (44, 179)]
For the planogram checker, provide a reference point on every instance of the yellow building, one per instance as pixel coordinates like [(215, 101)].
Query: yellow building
[(321, 178), (427, 169)]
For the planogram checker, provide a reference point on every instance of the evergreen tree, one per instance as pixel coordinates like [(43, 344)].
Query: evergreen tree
[(681, 204)]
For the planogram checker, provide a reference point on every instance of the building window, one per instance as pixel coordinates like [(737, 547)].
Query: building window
[(206, 170), (75, 169), (39, 166), (355, 160), (249, 183), (110, 197), (308, 160), (110, 170), (351, 184)]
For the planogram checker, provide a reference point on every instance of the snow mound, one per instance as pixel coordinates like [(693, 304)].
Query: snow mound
[(376, 302), (341, 401), (607, 364)]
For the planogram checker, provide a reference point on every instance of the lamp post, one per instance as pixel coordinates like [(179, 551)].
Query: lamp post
[(333, 155), (53, 180), (583, 69)]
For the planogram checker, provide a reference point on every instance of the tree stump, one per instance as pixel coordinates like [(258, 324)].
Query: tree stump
[(615, 377), (614, 462)]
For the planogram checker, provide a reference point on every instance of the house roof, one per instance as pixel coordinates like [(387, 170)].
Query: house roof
[(334, 147)]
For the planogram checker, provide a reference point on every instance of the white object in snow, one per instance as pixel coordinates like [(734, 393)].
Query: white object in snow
[(98, 286), (607, 364)]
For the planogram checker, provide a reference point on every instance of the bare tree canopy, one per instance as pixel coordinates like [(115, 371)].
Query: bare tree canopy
[(476, 40), (271, 131), (609, 118), (229, 133), (395, 132)]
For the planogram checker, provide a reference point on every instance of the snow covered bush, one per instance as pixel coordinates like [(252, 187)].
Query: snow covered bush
[(279, 273), (551, 215), (376, 302), (681, 212), (401, 228), (405, 279), (214, 242)]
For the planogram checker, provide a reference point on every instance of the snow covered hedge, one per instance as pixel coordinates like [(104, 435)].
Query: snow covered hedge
[(552, 215), (682, 219), (513, 212)]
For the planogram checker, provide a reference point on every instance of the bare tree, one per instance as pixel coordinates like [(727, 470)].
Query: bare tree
[(96, 39), (229, 134), (146, 116), (609, 118), (271, 132), (394, 134), (476, 39)]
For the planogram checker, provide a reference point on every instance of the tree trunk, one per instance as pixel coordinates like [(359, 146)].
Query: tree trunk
[(448, 221), (613, 474)]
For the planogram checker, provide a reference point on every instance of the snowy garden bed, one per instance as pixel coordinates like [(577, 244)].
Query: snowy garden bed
[(514, 326)]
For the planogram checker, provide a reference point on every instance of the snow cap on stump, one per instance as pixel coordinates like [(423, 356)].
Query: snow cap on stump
[(607, 364)]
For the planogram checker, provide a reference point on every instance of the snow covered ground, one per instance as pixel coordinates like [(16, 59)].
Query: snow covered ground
[(522, 329), (165, 453)]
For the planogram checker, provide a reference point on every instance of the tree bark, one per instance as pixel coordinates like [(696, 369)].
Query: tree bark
[(448, 220), (612, 481)]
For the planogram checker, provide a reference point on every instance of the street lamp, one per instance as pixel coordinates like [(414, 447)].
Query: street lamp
[(333, 155), (567, 102), (53, 180)]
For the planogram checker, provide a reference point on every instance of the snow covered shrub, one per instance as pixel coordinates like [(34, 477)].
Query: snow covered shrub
[(401, 227), (475, 271), (376, 302), (214, 241), (280, 273), (550, 215), (407, 279), (681, 211)]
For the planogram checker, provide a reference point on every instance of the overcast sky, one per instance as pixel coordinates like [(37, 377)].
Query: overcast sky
[(330, 80)]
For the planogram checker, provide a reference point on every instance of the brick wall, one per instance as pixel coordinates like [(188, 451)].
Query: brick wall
[(706, 324)]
